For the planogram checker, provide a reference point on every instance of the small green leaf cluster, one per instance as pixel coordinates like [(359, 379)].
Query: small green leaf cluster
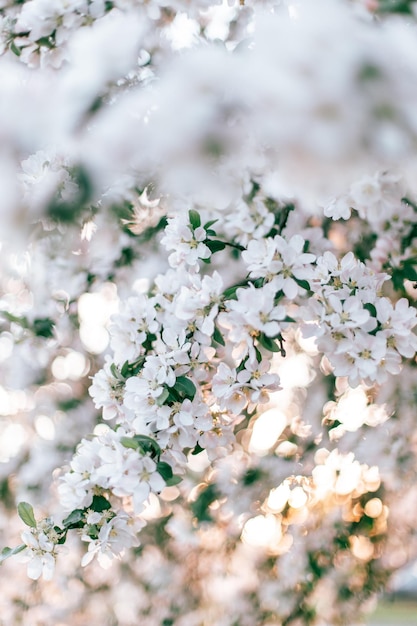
[(77, 519), (407, 270), (214, 245), (39, 327), (200, 506), (404, 7), (147, 445)]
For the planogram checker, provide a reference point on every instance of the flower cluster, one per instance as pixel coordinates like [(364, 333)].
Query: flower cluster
[(108, 537), (193, 358), (106, 465), (41, 550), (362, 333)]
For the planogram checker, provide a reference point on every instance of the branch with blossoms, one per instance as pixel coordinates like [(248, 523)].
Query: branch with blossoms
[(200, 362), (252, 412)]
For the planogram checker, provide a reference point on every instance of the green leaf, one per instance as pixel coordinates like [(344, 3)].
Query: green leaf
[(17, 51), (364, 245), (62, 534), (259, 282), (173, 396), (100, 504), (165, 470), (204, 499), (7, 552), (125, 369), (22, 321), (195, 219), (163, 397), (218, 337), (302, 283), (251, 195), (281, 215), (43, 327), (252, 475), (208, 225), (395, 6), (171, 482), (215, 245), (129, 442), (272, 206), (409, 271), (410, 203), (69, 211), (95, 106), (69, 404), (142, 442), (369, 71), (268, 343), (26, 514), (197, 450), (370, 308), (147, 344), (185, 387), (75, 519), (230, 292), (135, 367), (398, 280), (148, 445), (46, 42), (115, 371)]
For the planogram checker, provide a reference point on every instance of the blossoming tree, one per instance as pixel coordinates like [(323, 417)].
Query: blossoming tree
[(207, 345)]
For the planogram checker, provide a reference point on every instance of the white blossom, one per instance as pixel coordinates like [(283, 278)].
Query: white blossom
[(115, 536), (40, 553)]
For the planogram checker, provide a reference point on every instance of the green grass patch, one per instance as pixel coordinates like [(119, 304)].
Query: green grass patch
[(396, 613)]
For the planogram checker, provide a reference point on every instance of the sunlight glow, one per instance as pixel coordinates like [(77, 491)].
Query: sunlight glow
[(267, 428), (94, 310), (262, 531), (45, 427), (12, 439), (73, 366)]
